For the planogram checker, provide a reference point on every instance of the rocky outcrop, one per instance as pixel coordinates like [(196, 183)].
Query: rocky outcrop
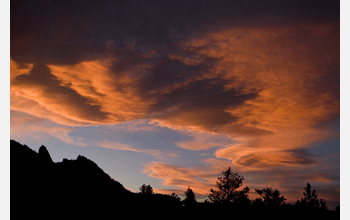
[(44, 155)]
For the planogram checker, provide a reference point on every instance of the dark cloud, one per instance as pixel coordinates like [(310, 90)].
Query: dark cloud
[(293, 158), (68, 32), (202, 103), (50, 32), (302, 157)]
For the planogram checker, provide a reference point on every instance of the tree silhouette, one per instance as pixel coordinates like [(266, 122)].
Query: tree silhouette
[(323, 204), (146, 189), (310, 198), (270, 197), (227, 189), (175, 196), (190, 196)]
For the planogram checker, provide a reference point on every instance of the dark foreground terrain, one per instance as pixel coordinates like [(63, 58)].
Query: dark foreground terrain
[(79, 189)]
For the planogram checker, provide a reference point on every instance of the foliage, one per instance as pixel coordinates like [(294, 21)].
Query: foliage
[(270, 197), (310, 199), (190, 196), (146, 189), (323, 204), (175, 196), (258, 202), (227, 189)]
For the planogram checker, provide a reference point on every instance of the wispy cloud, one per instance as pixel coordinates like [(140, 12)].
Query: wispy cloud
[(180, 177), (24, 126)]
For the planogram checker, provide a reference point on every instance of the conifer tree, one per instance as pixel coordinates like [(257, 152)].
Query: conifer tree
[(227, 189)]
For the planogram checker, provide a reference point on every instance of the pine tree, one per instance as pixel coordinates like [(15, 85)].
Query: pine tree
[(227, 189), (190, 196), (310, 197)]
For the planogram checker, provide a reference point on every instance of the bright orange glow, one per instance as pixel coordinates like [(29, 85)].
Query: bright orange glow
[(288, 106)]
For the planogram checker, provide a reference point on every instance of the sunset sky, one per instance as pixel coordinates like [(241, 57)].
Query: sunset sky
[(172, 93)]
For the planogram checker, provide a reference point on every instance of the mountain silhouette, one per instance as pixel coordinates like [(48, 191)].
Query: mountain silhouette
[(71, 189)]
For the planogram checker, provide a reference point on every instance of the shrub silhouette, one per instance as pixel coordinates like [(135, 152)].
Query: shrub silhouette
[(146, 189), (323, 205), (270, 197), (227, 189), (174, 195)]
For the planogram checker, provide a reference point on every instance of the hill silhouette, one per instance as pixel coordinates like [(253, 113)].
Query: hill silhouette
[(71, 189)]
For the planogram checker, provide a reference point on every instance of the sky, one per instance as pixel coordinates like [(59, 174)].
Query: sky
[(172, 93)]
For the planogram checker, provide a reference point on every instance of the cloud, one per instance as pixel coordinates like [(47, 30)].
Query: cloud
[(204, 140), (117, 95), (137, 126), (159, 154), (181, 177), (79, 94), (289, 105), (40, 85), (27, 126), (32, 107), (18, 69), (285, 148), (260, 86)]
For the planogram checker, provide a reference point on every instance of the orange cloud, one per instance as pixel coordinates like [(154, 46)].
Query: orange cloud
[(282, 71), (282, 148), (204, 140), (160, 154), (268, 89), (27, 126), (81, 94), (295, 92), (117, 94), (180, 177), (17, 70)]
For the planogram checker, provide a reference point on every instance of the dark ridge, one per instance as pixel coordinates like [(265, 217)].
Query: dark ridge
[(71, 189)]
